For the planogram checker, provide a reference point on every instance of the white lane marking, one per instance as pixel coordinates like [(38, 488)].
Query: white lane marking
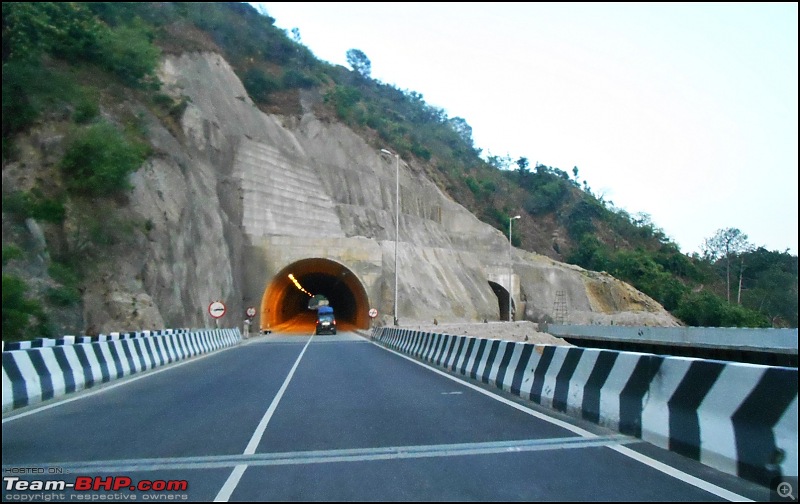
[(655, 464), (240, 462), (233, 480), (104, 387), (678, 474), (230, 484)]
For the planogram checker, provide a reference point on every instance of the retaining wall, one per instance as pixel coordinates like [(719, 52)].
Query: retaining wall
[(40, 373), (738, 418)]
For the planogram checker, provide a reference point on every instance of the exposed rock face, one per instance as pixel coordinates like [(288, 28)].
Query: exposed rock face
[(245, 196)]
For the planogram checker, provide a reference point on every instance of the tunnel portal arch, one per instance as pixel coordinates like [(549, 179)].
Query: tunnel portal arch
[(284, 304), (502, 300)]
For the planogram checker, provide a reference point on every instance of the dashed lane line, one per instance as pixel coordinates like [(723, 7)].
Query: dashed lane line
[(233, 480)]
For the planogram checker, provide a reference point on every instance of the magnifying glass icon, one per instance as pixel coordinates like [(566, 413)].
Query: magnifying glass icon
[(786, 490)]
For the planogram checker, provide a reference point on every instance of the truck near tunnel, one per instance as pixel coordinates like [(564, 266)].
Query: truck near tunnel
[(326, 320), (316, 301)]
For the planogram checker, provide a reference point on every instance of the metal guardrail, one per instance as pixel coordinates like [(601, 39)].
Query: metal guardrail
[(773, 341)]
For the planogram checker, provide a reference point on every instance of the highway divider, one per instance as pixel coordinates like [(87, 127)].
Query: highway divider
[(738, 418), (71, 340), (32, 375)]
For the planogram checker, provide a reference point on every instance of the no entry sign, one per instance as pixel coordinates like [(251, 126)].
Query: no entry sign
[(216, 309)]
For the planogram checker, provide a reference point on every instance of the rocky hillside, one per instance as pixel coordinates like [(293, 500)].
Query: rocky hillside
[(82, 256), (179, 237)]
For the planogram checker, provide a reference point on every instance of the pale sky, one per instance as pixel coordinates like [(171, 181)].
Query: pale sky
[(683, 111)]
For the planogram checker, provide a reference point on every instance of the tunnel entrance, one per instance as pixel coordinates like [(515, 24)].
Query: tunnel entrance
[(284, 307), (502, 300)]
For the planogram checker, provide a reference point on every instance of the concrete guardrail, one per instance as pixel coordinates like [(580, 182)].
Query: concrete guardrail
[(40, 373), (738, 418), (781, 341)]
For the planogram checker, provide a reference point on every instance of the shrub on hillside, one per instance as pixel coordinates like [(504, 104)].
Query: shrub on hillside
[(32, 204), (260, 85), (23, 318), (296, 79), (705, 309), (99, 159)]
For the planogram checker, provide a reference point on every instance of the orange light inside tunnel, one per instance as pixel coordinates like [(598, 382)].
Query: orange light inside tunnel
[(297, 284), (284, 306)]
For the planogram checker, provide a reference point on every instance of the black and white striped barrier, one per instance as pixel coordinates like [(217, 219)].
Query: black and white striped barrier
[(71, 340), (37, 374), (738, 418)]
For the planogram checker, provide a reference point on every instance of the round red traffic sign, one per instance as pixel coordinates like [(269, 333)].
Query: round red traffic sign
[(216, 309), (251, 311), (373, 313)]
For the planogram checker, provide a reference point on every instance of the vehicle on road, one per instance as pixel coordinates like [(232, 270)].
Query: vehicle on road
[(326, 321)]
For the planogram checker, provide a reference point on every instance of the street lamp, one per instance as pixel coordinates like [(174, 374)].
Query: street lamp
[(510, 266), (396, 223)]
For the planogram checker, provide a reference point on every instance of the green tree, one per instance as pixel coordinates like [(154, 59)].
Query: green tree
[(770, 285), (522, 169), (296, 35), (725, 244), (500, 162), (359, 62), (463, 130)]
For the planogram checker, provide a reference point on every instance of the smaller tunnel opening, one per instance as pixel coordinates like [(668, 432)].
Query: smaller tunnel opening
[(286, 300), (502, 300)]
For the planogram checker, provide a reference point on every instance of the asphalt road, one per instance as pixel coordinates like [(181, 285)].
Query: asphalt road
[(330, 418)]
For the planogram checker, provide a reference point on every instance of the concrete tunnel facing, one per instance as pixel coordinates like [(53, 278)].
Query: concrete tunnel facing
[(284, 307)]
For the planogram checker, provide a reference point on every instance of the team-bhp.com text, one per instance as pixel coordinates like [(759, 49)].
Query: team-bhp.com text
[(34, 490)]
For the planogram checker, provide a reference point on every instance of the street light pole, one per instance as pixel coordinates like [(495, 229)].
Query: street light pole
[(396, 223), (510, 266)]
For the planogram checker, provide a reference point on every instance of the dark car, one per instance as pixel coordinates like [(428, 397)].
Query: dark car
[(326, 321)]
